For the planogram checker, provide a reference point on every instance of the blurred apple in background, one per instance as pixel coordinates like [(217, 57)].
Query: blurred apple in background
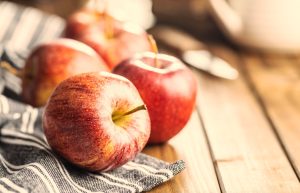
[(52, 62), (97, 121), (122, 42), (80, 21), (168, 89), (112, 39)]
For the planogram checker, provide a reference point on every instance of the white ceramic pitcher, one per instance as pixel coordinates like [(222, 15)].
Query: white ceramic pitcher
[(265, 24)]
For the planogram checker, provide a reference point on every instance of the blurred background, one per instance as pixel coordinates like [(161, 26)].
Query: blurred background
[(191, 15), (268, 25)]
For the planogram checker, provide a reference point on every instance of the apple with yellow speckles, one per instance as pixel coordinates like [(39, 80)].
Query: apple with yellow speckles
[(97, 121)]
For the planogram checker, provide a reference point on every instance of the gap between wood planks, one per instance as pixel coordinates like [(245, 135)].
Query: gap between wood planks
[(212, 156)]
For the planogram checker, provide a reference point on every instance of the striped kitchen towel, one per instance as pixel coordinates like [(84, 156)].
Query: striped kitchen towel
[(27, 164)]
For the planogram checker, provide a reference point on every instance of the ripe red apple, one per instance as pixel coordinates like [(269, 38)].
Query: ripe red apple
[(113, 40), (96, 121), (52, 62), (167, 87)]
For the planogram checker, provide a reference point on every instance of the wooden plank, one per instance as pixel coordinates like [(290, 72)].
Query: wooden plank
[(276, 79), (248, 156), (189, 145)]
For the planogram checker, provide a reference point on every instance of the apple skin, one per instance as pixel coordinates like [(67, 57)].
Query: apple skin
[(113, 40), (168, 91), (52, 62), (78, 121)]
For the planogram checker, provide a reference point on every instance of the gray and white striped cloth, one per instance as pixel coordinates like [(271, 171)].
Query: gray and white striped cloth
[(27, 164)]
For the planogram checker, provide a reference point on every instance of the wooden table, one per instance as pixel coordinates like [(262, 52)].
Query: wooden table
[(244, 135)]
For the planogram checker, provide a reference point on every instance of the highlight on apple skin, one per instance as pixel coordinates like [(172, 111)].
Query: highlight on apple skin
[(96, 121), (51, 62), (167, 87)]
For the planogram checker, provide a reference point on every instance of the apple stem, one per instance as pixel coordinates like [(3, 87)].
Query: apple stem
[(109, 28), (154, 49), (99, 6), (95, 4), (141, 107), (5, 65)]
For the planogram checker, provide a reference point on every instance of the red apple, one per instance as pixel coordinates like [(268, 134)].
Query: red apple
[(96, 121), (167, 87), (52, 62), (113, 40)]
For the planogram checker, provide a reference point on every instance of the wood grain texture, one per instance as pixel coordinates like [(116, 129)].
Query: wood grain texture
[(276, 80), (191, 146), (247, 153)]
